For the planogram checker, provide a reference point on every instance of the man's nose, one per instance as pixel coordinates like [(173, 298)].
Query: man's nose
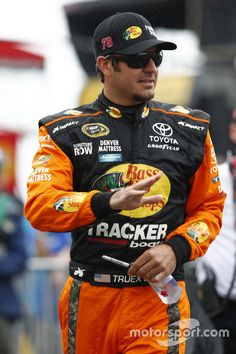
[(150, 66)]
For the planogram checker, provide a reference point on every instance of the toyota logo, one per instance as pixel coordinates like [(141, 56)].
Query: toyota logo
[(162, 129)]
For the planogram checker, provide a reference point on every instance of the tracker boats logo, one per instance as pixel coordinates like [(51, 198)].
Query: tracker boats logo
[(135, 236)]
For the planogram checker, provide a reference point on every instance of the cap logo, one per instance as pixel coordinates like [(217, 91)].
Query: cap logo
[(106, 43), (132, 33), (151, 30)]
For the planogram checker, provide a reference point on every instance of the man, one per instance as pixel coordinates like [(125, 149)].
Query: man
[(133, 179), (216, 271), (12, 262)]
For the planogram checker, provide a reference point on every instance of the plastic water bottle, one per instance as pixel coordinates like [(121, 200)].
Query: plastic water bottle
[(167, 289)]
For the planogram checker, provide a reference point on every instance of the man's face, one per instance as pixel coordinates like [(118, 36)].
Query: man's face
[(129, 86)]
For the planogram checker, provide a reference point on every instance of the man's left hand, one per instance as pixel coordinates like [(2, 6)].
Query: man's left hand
[(154, 264)]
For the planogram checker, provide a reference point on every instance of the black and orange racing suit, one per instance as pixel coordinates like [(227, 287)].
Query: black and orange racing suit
[(85, 155)]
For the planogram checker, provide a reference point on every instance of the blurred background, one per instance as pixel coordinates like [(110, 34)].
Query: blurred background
[(47, 65)]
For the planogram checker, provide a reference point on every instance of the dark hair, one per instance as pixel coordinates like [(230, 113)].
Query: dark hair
[(100, 73)]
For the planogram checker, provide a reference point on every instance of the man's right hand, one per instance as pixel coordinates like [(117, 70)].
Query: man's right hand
[(133, 196)]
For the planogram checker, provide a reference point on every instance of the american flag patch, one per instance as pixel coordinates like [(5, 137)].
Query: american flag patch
[(102, 278)]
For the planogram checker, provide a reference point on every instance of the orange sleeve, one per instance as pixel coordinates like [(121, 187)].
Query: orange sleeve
[(52, 205), (204, 205)]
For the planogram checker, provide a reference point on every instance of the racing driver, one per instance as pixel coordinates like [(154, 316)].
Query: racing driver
[(131, 178)]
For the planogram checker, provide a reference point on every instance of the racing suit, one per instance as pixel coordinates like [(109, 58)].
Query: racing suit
[(90, 152)]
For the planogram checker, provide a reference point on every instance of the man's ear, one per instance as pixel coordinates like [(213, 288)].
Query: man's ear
[(105, 66)]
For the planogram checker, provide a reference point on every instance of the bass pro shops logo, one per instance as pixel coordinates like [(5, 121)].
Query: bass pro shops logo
[(123, 175)]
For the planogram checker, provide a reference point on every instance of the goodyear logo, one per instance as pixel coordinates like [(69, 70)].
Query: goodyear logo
[(123, 175), (132, 33), (95, 130)]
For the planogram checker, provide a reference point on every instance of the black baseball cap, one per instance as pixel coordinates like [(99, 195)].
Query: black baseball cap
[(126, 33)]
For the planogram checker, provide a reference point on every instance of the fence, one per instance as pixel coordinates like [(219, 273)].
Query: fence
[(39, 288)]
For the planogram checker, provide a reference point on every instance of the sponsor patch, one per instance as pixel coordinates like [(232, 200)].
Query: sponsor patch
[(146, 235), (43, 159), (64, 126), (73, 112), (163, 143), (162, 129), (163, 139), (45, 138), (191, 126), (109, 146), (198, 231), (110, 157), (132, 33), (151, 30), (69, 204), (123, 175), (114, 112), (95, 130), (83, 149), (216, 179), (79, 272), (180, 109), (214, 170), (49, 146), (45, 141), (40, 174), (213, 157), (110, 182), (145, 112)]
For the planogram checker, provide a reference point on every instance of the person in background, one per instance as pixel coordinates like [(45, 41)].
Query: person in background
[(216, 271), (133, 179), (12, 262)]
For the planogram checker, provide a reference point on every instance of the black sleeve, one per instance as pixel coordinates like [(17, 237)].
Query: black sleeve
[(100, 205), (181, 248)]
